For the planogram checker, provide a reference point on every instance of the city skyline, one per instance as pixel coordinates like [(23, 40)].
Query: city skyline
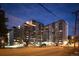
[(19, 13)]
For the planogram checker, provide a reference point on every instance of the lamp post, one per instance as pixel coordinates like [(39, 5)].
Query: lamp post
[(2, 42), (19, 36), (73, 40), (8, 34)]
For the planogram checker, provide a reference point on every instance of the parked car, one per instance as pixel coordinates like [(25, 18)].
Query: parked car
[(43, 44)]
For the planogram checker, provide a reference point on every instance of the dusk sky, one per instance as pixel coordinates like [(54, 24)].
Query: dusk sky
[(19, 13)]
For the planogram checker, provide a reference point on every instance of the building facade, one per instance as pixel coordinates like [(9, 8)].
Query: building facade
[(58, 31), (33, 31)]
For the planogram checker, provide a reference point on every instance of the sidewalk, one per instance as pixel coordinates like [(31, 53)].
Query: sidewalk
[(75, 52)]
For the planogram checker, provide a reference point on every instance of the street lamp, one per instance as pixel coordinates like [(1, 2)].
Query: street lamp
[(19, 27), (19, 39), (2, 42), (73, 40), (72, 37), (8, 34)]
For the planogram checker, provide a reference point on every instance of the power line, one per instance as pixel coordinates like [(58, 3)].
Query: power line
[(48, 10)]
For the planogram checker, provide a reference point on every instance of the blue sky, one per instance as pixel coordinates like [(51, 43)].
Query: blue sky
[(19, 13)]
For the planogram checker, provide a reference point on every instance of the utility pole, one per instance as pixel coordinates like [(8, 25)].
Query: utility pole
[(76, 32)]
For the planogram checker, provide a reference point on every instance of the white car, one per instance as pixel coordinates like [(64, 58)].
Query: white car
[(15, 45), (43, 44)]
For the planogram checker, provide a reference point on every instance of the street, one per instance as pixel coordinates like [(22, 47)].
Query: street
[(36, 51)]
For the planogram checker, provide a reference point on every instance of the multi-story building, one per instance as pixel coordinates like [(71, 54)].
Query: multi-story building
[(50, 32), (34, 31), (14, 35), (61, 33), (46, 33), (10, 37), (58, 31)]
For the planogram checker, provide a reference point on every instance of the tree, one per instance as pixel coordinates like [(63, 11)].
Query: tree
[(3, 26)]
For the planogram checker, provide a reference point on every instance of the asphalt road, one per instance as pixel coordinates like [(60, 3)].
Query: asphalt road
[(36, 51)]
